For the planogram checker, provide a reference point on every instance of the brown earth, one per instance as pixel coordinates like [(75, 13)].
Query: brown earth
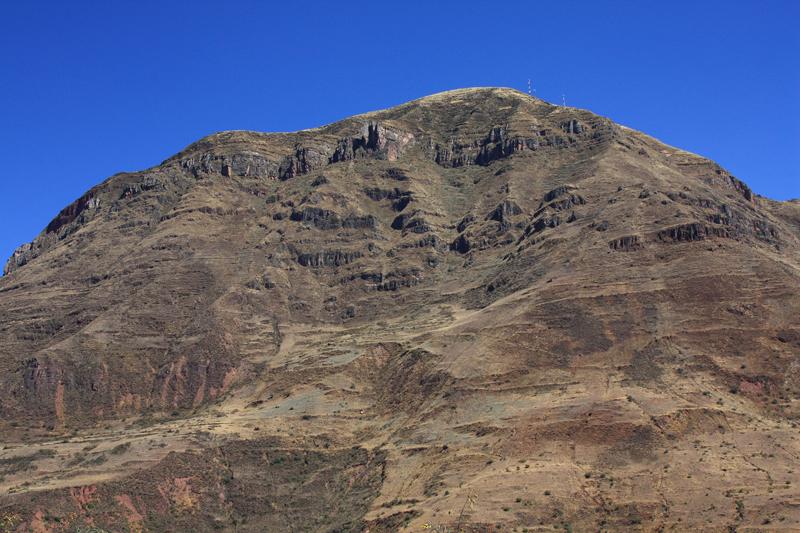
[(476, 311)]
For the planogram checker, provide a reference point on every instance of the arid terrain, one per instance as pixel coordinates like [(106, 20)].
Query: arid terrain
[(475, 311)]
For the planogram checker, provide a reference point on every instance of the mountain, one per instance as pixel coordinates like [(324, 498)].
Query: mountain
[(475, 311)]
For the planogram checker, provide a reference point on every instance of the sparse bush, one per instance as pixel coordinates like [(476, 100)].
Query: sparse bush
[(120, 448)]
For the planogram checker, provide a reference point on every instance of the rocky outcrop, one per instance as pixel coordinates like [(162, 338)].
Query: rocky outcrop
[(417, 225), (397, 279), (694, 231), (741, 187), (413, 222), (558, 192), (549, 212), (496, 145), (504, 212), (75, 211), (390, 281), (400, 199), (326, 219), (328, 258), (465, 222), (560, 199), (64, 224), (428, 241), (626, 243), (318, 217), (20, 257), (148, 183), (740, 221), (499, 143), (239, 164), (461, 244), (302, 161), (359, 222), (741, 225), (376, 140), (542, 223), (572, 126)]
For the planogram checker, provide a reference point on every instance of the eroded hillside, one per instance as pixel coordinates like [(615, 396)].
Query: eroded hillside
[(473, 310)]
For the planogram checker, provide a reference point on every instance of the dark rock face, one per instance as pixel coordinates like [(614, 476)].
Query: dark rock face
[(377, 194), (303, 161), (328, 258), (238, 164), (560, 199), (739, 222), (542, 223), (428, 241), (465, 222), (558, 192), (73, 211), (500, 143), (547, 215), (376, 141), (400, 199), (504, 212), (417, 225), (393, 280), (401, 203), (572, 126), (400, 221), (690, 232), (359, 222), (327, 220), (496, 145), (562, 204), (742, 188), (461, 244), (739, 225), (149, 183), (626, 243), (20, 257), (321, 218), (412, 221)]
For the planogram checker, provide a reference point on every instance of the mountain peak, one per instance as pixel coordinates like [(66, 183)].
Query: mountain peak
[(470, 92), (403, 313)]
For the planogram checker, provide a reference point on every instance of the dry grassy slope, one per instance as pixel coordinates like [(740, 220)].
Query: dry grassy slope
[(475, 309)]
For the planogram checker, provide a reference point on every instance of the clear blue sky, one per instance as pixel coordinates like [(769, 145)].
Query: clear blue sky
[(92, 88)]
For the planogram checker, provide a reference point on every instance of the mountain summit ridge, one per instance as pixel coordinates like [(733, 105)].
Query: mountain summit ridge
[(473, 310), (454, 97)]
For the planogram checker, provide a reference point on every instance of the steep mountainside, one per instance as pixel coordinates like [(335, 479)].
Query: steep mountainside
[(473, 310)]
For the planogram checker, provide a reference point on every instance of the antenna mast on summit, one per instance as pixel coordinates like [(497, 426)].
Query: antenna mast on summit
[(529, 86), (563, 100)]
